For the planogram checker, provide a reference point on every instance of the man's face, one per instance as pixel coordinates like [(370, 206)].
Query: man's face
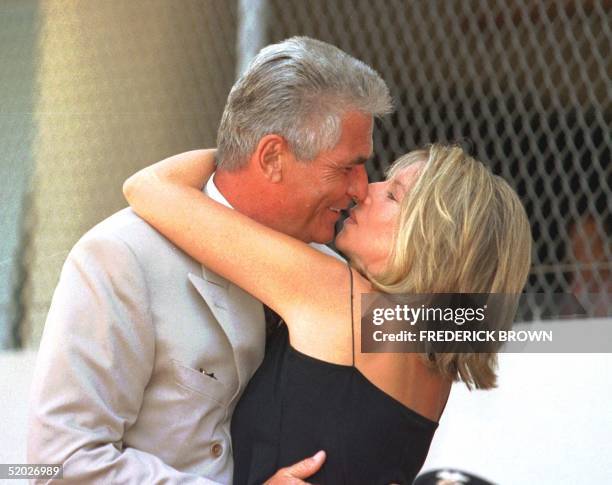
[(324, 186)]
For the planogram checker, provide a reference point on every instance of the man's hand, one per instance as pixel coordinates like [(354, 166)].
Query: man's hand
[(293, 475)]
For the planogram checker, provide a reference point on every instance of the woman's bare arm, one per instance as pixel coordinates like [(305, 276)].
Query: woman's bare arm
[(298, 282)]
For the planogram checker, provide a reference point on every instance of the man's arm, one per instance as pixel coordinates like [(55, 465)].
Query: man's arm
[(95, 359)]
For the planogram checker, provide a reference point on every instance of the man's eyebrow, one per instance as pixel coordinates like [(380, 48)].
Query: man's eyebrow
[(360, 161)]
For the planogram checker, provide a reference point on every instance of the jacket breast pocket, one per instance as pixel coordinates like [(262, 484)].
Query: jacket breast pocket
[(200, 383)]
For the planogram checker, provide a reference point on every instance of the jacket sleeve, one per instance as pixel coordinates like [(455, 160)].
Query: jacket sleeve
[(95, 359)]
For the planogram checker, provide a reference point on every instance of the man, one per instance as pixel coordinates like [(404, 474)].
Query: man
[(145, 352)]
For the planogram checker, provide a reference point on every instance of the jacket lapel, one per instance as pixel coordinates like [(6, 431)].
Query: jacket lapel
[(240, 316)]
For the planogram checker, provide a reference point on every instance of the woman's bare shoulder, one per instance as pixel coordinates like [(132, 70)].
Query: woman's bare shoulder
[(322, 327)]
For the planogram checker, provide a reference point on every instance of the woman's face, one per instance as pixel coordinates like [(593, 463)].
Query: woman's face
[(367, 235)]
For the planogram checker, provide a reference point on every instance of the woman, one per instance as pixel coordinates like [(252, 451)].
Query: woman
[(440, 222)]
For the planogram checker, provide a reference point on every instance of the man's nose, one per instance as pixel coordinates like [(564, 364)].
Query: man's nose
[(358, 184)]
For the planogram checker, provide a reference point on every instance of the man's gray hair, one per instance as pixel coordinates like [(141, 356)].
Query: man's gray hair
[(299, 89)]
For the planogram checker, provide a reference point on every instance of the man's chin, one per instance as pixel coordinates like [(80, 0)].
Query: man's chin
[(324, 237), (324, 241)]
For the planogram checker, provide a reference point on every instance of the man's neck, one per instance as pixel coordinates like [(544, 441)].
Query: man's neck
[(213, 191), (240, 191)]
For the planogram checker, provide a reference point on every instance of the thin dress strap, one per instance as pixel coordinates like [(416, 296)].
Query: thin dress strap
[(352, 317)]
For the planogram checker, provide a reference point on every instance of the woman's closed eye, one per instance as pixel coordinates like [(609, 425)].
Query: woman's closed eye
[(391, 196)]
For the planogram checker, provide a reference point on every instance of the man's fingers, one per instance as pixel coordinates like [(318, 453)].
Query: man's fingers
[(307, 467), (293, 475)]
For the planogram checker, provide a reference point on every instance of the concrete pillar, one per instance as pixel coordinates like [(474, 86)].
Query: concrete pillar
[(120, 85)]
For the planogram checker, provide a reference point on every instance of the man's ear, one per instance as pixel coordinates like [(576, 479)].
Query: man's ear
[(271, 153)]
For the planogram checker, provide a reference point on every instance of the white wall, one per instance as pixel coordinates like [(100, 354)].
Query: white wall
[(548, 422), (16, 369)]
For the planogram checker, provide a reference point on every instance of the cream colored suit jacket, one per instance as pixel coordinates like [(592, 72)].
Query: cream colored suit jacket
[(144, 355), (143, 358)]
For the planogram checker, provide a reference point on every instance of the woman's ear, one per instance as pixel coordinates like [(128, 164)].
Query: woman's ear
[(271, 153)]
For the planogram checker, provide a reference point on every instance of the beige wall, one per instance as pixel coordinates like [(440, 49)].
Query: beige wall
[(119, 85)]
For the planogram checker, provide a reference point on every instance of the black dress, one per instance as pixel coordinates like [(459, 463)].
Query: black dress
[(296, 405)]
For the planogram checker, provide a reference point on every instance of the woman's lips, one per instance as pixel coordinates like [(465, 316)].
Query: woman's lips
[(351, 218)]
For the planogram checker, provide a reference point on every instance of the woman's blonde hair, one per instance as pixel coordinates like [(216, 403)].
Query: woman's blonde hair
[(461, 230)]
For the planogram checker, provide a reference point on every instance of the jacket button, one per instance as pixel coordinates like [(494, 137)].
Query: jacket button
[(217, 450)]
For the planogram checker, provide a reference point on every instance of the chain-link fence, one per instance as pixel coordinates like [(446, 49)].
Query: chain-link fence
[(113, 86), (120, 84), (525, 83)]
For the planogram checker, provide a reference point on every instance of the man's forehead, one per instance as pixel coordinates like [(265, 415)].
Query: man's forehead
[(355, 146), (357, 119), (357, 126), (345, 159)]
